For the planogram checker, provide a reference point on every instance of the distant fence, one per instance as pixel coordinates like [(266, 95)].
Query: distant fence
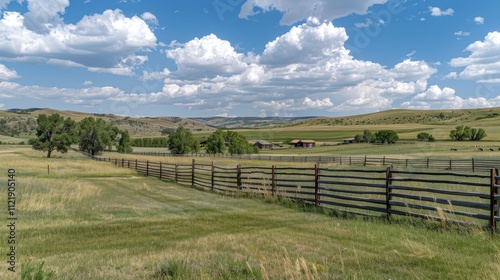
[(442, 196), (472, 165)]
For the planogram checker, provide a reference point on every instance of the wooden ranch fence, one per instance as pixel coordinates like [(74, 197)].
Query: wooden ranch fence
[(443, 196), (473, 165)]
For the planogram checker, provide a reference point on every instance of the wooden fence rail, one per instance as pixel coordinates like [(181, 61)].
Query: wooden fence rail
[(443, 196), (473, 164)]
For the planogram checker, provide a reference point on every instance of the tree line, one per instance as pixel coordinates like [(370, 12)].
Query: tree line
[(382, 136), (55, 133), (182, 141)]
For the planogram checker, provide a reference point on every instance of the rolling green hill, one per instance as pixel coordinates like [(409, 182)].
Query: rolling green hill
[(407, 123), (21, 123)]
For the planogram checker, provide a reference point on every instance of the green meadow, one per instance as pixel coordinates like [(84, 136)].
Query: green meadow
[(83, 219)]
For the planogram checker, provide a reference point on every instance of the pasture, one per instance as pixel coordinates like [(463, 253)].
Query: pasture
[(92, 220), (410, 150)]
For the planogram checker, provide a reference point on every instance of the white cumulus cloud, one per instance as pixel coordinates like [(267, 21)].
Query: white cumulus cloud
[(207, 56), (483, 64), (149, 17), (479, 20), (436, 98), (100, 41), (307, 43), (7, 74), (437, 12), (325, 103)]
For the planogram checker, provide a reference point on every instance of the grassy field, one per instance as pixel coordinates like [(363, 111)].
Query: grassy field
[(414, 149), (90, 220)]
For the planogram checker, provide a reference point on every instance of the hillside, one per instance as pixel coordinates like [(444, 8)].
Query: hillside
[(475, 117), (407, 123), (249, 122), (20, 123)]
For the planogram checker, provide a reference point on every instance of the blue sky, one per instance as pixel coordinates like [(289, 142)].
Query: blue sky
[(248, 57)]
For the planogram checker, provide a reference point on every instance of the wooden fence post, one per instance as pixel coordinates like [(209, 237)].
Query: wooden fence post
[(212, 175), (364, 164), (192, 173), (316, 185), (450, 165), (136, 164), (175, 172), (497, 192), (493, 200), (123, 162), (160, 171), (147, 168), (427, 162), (388, 190), (273, 180), (473, 167), (238, 177)]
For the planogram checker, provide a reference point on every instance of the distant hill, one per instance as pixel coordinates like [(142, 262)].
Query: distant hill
[(20, 123), (471, 117), (249, 122)]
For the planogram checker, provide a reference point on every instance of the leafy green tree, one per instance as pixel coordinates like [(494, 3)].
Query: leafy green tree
[(124, 144), (238, 144), (95, 135), (386, 136), (181, 141), (366, 137), (216, 143), (54, 133), (477, 134), (462, 133), (424, 136)]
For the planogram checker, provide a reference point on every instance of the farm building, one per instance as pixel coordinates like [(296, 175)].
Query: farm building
[(303, 143), (263, 145), (350, 140), (203, 143)]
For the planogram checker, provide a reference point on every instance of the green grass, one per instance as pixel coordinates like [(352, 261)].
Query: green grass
[(131, 227), (12, 140), (414, 149)]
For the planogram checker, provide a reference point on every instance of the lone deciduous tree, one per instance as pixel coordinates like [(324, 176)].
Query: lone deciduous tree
[(95, 135), (53, 133), (387, 136)]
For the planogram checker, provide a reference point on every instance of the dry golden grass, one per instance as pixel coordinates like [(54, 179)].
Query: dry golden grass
[(54, 194)]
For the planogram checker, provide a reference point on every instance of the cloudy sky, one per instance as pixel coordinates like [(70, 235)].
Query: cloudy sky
[(248, 57)]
